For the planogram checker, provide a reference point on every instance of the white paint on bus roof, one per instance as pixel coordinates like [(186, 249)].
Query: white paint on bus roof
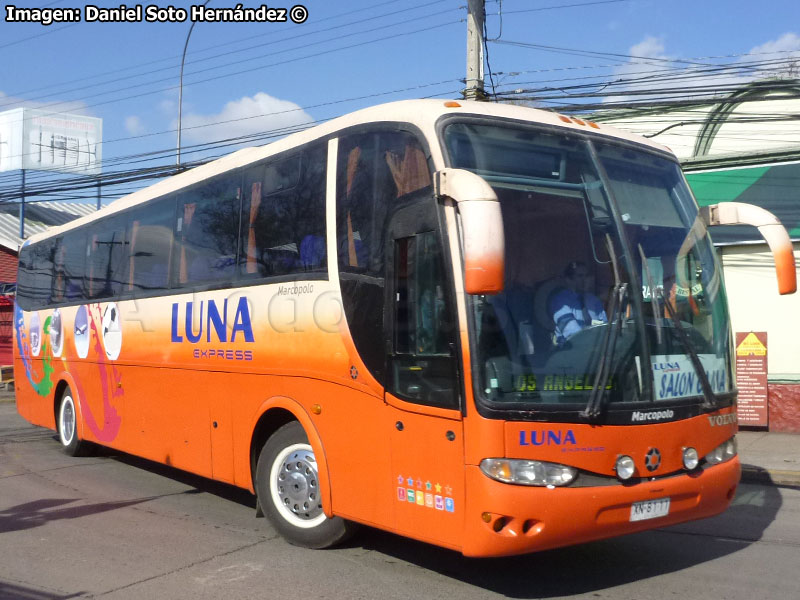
[(421, 113)]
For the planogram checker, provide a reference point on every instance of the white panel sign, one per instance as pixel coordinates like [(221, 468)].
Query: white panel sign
[(43, 140), (675, 377)]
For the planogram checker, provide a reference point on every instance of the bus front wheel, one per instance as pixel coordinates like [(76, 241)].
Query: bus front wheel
[(68, 427), (288, 491)]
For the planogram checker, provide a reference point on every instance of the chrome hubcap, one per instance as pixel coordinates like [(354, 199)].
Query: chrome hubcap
[(67, 423), (297, 485)]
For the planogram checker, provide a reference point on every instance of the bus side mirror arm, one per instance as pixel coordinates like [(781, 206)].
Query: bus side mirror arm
[(739, 213), (481, 219)]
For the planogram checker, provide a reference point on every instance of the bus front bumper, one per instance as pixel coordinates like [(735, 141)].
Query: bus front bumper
[(503, 519)]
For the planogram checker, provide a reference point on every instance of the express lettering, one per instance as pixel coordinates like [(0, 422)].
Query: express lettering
[(208, 316), (546, 438)]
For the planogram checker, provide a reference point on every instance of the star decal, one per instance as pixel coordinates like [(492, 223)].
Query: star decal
[(428, 485), (400, 479), (438, 488), (410, 481), (448, 490), (419, 483)]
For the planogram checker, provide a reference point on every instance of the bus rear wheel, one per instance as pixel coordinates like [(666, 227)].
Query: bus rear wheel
[(288, 491), (68, 427)]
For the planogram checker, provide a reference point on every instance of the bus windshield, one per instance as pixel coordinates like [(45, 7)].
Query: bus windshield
[(613, 291)]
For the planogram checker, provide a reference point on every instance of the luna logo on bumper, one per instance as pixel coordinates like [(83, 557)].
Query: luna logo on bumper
[(547, 438)]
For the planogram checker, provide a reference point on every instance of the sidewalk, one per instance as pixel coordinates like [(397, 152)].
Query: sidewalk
[(768, 458)]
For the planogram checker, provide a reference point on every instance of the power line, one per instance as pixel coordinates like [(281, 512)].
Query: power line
[(260, 67), (295, 37)]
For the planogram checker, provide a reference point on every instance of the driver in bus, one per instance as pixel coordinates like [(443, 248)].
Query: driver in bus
[(574, 307)]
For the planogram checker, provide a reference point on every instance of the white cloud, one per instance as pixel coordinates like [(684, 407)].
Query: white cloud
[(649, 47), (248, 115), (784, 53), (652, 67), (788, 42), (134, 125)]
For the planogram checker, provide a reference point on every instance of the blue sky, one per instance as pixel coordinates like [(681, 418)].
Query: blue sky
[(352, 54)]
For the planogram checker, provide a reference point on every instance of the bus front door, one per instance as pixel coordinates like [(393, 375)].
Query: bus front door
[(422, 396)]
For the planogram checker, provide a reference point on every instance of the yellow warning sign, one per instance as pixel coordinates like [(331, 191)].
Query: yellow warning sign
[(751, 346)]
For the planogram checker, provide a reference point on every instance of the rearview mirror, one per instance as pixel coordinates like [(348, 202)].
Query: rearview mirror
[(739, 213), (481, 228)]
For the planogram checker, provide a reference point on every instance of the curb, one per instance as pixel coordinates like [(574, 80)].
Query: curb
[(754, 474)]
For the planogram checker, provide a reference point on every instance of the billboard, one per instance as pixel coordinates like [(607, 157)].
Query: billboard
[(38, 139)]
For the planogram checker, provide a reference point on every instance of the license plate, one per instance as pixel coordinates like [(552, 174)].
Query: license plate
[(649, 509)]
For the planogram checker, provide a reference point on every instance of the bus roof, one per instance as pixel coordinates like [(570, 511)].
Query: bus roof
[(421, 113)]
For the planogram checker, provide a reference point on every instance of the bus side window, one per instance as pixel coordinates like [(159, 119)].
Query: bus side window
[(73, 266), (151, 246), (375, 171), (107, 259), (206, 232), (68, 272), (283, 215), (35, 278)]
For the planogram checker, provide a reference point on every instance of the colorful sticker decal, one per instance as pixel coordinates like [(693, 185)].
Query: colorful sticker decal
[(418, 497), (36, 334), (56, 333), (81, 335), (44, 384), (112, 331)]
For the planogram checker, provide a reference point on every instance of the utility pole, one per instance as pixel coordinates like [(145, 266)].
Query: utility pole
[(180, 92), (475, 18), (22, 208)]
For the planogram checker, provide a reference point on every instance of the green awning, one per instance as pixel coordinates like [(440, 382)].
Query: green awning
[(775, 188)]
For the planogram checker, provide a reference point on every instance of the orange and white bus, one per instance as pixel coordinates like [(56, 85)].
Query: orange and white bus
[(488, 327)]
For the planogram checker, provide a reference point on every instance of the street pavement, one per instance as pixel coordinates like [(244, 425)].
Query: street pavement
[(767, 457)]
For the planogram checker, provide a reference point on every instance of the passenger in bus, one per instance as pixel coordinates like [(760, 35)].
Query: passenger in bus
[(312, 252), (574, 307)]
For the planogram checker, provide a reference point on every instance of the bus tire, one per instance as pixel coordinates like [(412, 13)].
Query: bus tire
[(67, 426), (288, 491)]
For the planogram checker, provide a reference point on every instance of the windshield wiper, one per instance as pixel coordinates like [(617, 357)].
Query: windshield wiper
[(594, 407), (709, 398)]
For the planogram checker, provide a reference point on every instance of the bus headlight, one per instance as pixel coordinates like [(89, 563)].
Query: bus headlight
[(528, 472), (625, 467), (690, 459), (722, 453)]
